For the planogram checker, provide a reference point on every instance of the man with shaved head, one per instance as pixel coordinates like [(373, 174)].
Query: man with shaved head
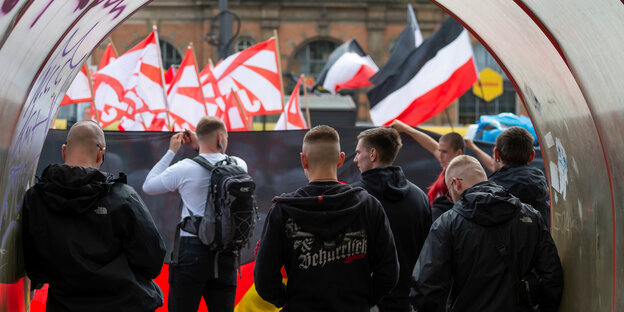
[(494, 252), (89, 235), (334, 241)]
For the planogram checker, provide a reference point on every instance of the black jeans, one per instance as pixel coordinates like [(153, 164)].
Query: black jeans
[(193, 277)]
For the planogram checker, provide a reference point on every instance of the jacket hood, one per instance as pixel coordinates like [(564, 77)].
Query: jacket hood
[(386, 182), (528, 183), (488, 204), (72, 190), (326, 210)]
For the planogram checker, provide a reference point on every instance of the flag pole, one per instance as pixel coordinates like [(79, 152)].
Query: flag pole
[(198, 78), (110, 39), (305, 100), (281, 79), (240, 107), (210, 63), (162, 77), (97, 115)]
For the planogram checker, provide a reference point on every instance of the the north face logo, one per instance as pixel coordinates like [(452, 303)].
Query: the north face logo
[(101, 210)]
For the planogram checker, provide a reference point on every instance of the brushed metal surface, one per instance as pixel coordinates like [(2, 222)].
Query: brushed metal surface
[(41, 56), (571, 143), (590, 35)]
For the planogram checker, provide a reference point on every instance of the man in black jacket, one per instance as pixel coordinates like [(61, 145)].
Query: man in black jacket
[(510, 166), (334, 241), (90, 236), (483, 247), (406, 205)]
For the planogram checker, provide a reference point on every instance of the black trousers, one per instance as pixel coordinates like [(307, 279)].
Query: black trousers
[(193, 277)]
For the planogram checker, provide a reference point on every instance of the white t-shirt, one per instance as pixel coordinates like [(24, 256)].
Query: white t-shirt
[(189, 178)]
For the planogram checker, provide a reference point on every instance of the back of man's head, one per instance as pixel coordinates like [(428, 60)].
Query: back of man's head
[(208, 127), (455, 141), (386, 141), (515, 146), (321, 146), (466, 171), (85, 140)]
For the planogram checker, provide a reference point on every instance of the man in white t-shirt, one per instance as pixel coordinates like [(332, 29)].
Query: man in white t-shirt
[(194, 275)]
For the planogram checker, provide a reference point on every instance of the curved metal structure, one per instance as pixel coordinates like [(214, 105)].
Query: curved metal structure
[(44, 45), (563, 56)]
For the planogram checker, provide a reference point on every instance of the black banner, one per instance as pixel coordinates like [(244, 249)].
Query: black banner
[(272, 158)]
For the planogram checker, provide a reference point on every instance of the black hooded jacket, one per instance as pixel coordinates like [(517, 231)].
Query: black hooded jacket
[(528, 184), (461, 251), (336, 246), (439, 206), (92, 240), (408, 211)]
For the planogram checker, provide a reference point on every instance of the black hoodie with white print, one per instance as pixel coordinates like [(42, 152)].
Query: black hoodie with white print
[(336, 246)]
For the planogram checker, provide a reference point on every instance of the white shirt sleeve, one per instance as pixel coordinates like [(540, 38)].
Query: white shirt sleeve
[(241, 163), (162, 178)]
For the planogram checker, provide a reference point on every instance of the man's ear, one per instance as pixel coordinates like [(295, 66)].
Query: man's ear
[(532, 156), (63, 151), (304, 161), (373, 154), (497, 156), (100, 155), (342, 158)]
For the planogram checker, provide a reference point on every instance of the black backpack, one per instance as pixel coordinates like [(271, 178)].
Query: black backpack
[(231, 210)]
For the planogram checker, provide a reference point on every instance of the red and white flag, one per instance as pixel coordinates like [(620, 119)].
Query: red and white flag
[(348, 67), (103, 92), (253, 74), (186, 100), (79, 91), (434, 75), (215, 105), (136, 78), (295, 120), (233, 117), (169, 75)]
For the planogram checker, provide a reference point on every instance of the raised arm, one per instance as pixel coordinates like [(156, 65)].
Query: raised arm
[(422, 138), (159, 180), (485, 159)]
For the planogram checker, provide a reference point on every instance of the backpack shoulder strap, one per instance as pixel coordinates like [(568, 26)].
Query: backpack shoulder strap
[(203, 162)]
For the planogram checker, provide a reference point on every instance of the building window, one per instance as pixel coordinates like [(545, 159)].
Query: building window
[(311, 58), (243, 43), (472, 107), (170, 54)]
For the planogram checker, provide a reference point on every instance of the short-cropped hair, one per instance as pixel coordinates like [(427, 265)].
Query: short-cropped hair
[(209, 125), (386, 141), (322, 133), (455, 140), (515, 145)]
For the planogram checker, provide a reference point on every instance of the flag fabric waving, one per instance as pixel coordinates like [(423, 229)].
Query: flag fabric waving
[(233, 118), (169, 75), (104, 95), (295, 120), (186, 100), (136, 78), (215, 105), (432, 77), (254, 74), (348, 67), (79, 91), (409, 39)]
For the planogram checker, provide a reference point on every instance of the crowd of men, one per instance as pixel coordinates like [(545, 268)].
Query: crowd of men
[(472, 243)]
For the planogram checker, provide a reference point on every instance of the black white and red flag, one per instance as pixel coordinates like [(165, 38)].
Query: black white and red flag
[(432, 77), (409, 39), (348, 67)]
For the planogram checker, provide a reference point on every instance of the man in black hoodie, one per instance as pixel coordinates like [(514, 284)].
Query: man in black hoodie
[(406, 205), (510, 166), (483, 247), (90, 236), (333, 240)]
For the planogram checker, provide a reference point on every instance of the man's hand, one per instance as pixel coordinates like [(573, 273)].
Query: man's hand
[(190, 138), (176, 142), (470, 144), (400, 126)]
